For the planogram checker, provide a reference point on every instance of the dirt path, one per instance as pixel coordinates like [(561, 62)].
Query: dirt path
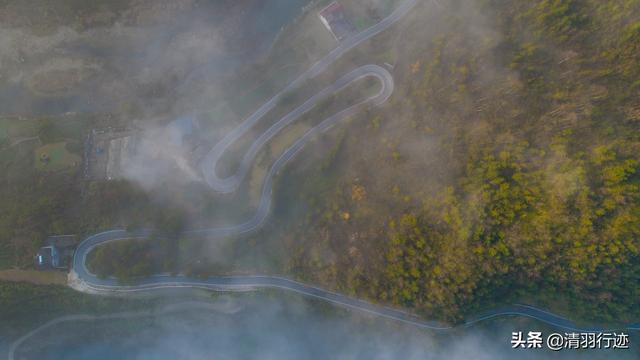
[(34, 276), (20, 141)]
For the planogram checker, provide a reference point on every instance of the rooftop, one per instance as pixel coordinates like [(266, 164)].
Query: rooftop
[(333, 9), (47, 257), (334, 19)]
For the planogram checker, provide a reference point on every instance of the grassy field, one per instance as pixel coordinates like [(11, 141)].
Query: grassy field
[(13, 129), (4, 131), (5, 256), (57, 155)]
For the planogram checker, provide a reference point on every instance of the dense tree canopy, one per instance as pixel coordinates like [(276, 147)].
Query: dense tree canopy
[(539, 201)]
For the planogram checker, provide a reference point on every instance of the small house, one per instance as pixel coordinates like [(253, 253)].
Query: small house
[(57, 252), (334, 19)]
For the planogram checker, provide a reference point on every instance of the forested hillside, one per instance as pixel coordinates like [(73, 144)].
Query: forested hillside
[(516, 140)]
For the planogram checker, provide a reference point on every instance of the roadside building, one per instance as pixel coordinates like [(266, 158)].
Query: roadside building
[(57, 252), (45, 258), (335, 20)]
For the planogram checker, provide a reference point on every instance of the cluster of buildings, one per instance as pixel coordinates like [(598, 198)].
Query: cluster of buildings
[(110, 150)]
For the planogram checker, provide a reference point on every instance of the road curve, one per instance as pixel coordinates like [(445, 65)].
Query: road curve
[(82, 279), (231, 183)]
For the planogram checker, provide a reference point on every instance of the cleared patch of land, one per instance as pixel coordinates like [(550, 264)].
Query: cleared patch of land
[(55, 157), (34, 276)]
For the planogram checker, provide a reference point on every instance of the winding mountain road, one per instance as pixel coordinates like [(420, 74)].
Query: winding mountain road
[(83, 280), (230, 184)]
